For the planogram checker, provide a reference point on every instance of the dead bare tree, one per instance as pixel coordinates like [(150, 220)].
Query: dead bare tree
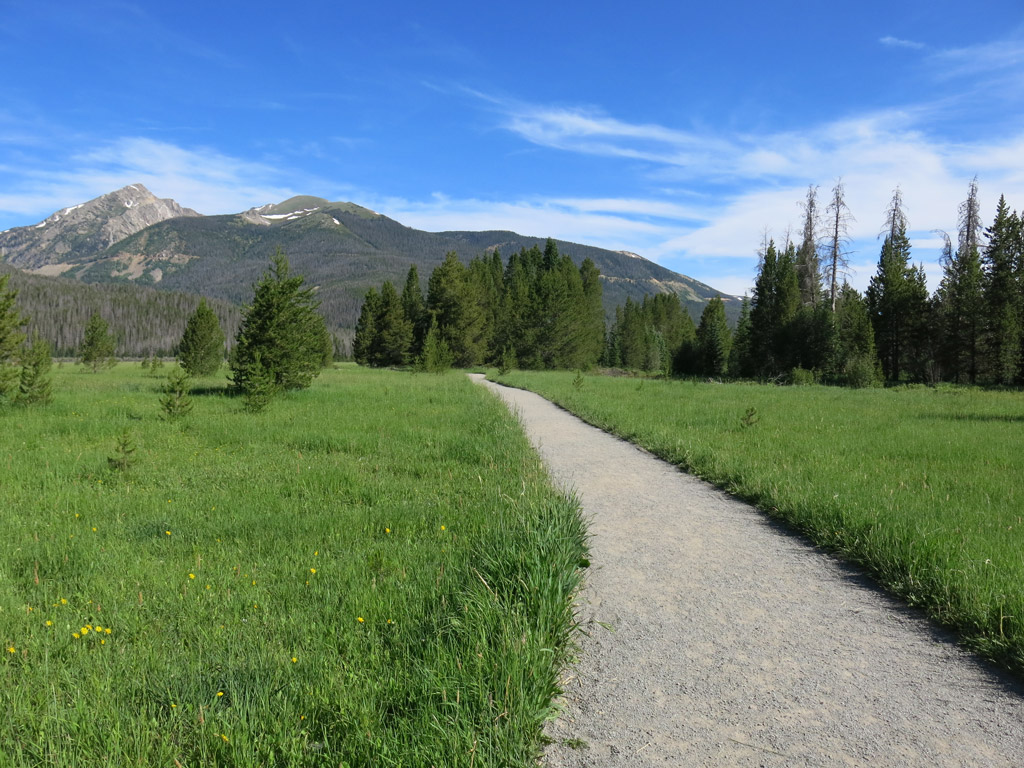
[(839, 218)]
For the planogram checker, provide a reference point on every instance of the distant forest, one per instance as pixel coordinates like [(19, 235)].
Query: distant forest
[(803, 324), (143, 320)]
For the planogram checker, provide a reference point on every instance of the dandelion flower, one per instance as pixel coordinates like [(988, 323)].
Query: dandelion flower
[(106, 630), (294, 659), (220, 693), (173, 705), (224, 736), (167, 532), (442, 528), (11, 650), (386, 530), (312, 570), (94, 527), (191, 575), (103, 642), (63, 601), (84, 631), (49, 623), (75, 635), (99, 628), (360, 619)]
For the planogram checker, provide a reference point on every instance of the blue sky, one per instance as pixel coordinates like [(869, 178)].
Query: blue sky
[(679, 131)]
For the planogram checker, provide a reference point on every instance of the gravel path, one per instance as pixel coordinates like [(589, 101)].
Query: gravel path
[(713, 638)]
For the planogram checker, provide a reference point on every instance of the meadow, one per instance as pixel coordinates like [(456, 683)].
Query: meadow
[(373, 571), (922, 487)]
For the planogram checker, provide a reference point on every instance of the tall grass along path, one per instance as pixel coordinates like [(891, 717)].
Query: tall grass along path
[(711, 637)]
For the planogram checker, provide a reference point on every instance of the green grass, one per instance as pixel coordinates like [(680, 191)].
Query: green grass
[(922, 487), (374, 571)]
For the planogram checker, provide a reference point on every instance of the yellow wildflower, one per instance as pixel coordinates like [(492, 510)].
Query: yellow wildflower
[(191, 575), (11, 650), (224, 736), (75, 635), (312, 570), (220, 693), (49, 623), (360, 619), (294, 659), (107, 630)]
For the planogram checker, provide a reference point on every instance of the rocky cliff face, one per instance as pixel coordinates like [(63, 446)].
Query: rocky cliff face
[(79, 233)]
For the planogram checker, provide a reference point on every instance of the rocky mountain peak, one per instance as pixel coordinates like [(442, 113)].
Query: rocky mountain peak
[(87, 229)]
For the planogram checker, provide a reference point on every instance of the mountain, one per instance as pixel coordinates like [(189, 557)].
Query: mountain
[(84, 231), (341, 248)]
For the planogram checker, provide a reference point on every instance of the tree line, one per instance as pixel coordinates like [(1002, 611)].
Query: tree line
[(538, 310), (805, 323)]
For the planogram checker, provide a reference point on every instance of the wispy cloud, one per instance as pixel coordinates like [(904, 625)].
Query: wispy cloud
[(896, 42), (197, 177)]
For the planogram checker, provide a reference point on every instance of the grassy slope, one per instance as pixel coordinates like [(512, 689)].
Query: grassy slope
[(374, 570), (921, 486)]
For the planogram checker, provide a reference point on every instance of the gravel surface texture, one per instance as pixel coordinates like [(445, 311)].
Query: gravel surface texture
[(712, 637)]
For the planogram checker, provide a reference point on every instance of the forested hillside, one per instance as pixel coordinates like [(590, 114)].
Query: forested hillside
[(144, 321)]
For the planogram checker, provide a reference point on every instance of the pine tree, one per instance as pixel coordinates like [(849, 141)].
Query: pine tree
[(960, 296), (283, 327), (394, 330), (773, 311), (893, 304), (740, 356), (857, 360), (11, 338), (176, 402), (593, 311), (415, 310), (454, 301), (437, 356), (201, 350), (366, 343), (1002, 299), (35, 386), (98, 345), (714, 339)]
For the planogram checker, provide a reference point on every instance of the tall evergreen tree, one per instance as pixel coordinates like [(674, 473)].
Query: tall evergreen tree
[(960, 296), (1002, 298), (98, 345), (741, 363), (857, 360), (454, 301), (894, 303), (201, 350), (593, 314), (714, 339), (282, 333), (774, 307), (366, 342), (415, 310), (393, 328), (11, 337)]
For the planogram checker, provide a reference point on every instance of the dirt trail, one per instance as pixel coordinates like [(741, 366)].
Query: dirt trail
[(712, 638)]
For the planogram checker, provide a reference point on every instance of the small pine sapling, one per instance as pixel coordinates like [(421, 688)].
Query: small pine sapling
[(176, 402), (124, 457)]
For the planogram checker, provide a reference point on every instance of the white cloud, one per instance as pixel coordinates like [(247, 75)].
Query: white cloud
[(200, 178), (896, 42)]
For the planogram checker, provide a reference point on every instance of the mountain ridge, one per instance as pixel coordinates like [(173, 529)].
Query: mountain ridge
[(340, 247)]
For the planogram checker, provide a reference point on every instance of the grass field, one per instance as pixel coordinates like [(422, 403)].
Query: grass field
[(923, 487), (374, 571)]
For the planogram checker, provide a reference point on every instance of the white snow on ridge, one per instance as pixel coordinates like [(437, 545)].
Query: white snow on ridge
[(40, 225), (132, 186), (335, 221), (129, 203)]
